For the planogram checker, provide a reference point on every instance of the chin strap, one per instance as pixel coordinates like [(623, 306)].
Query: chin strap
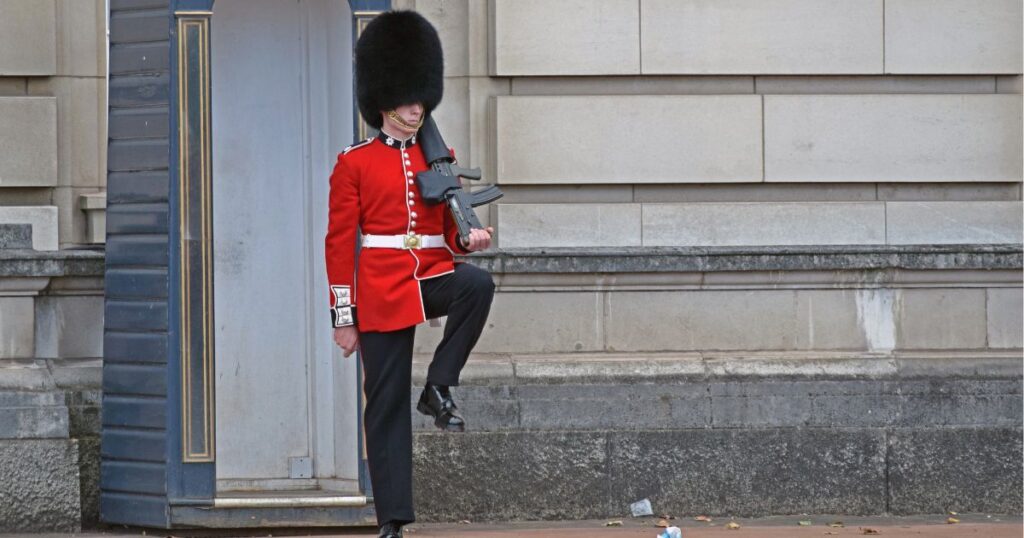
[(401, 121)]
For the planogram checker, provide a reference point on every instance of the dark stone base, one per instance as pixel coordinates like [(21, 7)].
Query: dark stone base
[(39, 485), (719, 472), (959, 469)]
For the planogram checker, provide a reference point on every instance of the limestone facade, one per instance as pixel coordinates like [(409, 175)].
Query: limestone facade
[(53, 143)]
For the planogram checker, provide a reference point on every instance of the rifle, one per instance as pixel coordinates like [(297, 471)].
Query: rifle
[(441, 182)]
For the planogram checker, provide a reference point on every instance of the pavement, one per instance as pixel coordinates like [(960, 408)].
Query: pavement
[(932, 526)]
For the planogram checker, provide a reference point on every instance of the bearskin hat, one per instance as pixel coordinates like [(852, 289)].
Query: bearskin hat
[(398, 62)]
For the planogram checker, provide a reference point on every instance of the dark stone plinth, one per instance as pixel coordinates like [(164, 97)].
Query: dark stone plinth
[(503, 476), (964, 469), (751, 471), (39, 490)]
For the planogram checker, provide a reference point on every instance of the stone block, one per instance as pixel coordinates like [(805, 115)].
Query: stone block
[(1004, 310), (632, 85), (33, 415), (792, 364), (892, 138), (40, 486), (568, 225), (28, 134), (16, 330), (940, 318), (566, 194), (82, 127), (502, 476), (948, 192), (1010, 84), (15, 236), (763, 223), (482, 415), (23, 22), (943, 410), (606, 368), (482, 91), (69, 326), (953, 36), (94, 205), (73, 221), (586, 137), (82, 43), (765, 37), (452, 117), (451, 18), (953, 222), (750, 472), (535, 323), (43, 220), (613, 407), (960, 364), (874, 84), (591, 37), (12, 86), (477, 15), (733, 320), (760, 192), (89, 480), (966, 469)]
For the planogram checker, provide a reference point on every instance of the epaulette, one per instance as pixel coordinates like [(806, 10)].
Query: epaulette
[(357, 146)]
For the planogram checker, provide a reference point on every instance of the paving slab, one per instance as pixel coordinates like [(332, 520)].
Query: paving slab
[(916, 526)]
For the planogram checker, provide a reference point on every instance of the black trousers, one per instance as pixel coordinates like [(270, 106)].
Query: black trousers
[(465, 297)]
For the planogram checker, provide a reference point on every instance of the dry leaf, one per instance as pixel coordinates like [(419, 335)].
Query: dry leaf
[(836, 524), (616, 523), (663, 522), (952, 520), (702, 518), (869, 530), (666, 516), (804, 522), (732, 525)]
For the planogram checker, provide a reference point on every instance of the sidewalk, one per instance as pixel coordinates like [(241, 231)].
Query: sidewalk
[(971, 525)]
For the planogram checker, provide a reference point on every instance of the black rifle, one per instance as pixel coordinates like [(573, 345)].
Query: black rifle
[(441, 182)]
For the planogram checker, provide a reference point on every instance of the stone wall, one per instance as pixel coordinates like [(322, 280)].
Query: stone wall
[(666, 123), (754, 257), (50, 379), (53, 117), (52, 183)]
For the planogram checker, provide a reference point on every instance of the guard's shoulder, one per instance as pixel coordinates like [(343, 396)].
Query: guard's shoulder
[(356, 146)]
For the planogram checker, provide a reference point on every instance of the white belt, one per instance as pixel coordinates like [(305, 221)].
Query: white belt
[(410, 241)]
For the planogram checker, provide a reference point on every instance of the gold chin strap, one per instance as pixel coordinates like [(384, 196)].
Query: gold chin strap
[(401, 121)]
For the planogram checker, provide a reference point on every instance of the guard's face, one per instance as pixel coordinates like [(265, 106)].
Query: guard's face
[(410, 113), (404, 119)]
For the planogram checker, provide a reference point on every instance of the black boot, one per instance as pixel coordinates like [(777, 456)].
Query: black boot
[(436, 401), (390, 530)]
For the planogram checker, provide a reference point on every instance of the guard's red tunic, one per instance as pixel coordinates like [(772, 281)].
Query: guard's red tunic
[(373, 187)]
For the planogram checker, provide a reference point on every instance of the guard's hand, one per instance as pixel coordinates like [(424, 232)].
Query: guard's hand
[(478, 239), (347, 339)]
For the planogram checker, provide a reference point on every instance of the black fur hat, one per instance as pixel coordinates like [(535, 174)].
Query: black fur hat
[(398, 62)]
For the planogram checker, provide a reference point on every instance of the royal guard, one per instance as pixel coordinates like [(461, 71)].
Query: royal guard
[(406, 272)]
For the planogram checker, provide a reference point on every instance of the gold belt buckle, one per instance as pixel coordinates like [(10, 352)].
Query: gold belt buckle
[(412, 241)]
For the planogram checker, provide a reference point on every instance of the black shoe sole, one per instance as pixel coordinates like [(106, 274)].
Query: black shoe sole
[(422, 407)]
